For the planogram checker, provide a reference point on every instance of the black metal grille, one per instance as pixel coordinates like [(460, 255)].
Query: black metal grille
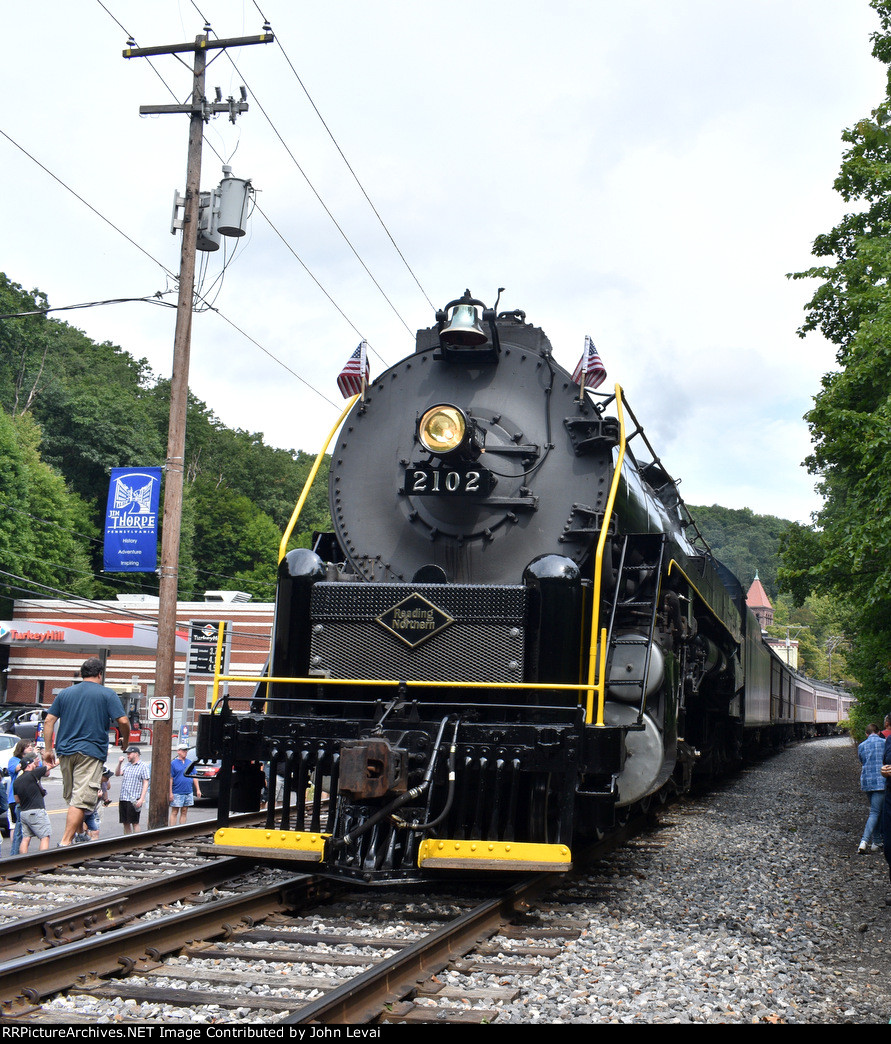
[(483, 642), (494, 800), (306, 788)]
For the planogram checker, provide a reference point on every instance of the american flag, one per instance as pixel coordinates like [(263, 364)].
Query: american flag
[(354, 376), (590, 372)]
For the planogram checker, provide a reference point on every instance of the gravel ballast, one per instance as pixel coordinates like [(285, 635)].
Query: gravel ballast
[(748, 905)]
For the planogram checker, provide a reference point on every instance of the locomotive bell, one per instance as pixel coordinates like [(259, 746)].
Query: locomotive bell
[(464, 329)]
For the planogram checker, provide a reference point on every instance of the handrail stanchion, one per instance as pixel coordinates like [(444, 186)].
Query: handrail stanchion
[(598, 660)]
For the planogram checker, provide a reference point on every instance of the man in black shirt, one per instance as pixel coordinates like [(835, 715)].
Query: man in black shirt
[(29, 795)]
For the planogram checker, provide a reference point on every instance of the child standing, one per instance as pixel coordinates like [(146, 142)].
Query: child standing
[(22, 748), (92, 819), (29, 796)]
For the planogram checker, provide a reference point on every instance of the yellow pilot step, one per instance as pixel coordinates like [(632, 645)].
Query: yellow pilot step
[(446, 854), (303, 845)]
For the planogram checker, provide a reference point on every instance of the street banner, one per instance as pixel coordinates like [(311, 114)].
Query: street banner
[(131, 521)]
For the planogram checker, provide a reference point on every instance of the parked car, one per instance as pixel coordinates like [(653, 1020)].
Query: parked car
[(11, 712), (207, 774), (8, 741), (25, 725)]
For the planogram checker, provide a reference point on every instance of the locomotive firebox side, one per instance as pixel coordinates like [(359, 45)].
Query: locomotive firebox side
[(510, 639)]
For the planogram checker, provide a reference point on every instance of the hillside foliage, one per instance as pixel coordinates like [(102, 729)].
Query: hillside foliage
[(750, 545), (70, 411)]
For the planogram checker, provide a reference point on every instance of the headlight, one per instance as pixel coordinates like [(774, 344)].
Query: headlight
[(442, 429)]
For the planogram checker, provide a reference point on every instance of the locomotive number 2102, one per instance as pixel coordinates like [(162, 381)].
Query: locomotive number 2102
[(423, 480)]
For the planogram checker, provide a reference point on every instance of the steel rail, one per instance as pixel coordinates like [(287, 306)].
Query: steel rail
[(16, 867), (92, 917), (362, 999), (24, 980)]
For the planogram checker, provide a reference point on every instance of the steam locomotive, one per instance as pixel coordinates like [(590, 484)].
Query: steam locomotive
[(515, 634)]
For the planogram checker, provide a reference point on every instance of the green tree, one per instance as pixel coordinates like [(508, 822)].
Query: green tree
[(848, 549), (45, 529), (92, 407), (234, 544), (23, 346), (817, 621), (61, 528), (16, 545)]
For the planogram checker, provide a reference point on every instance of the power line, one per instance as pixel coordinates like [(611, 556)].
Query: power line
[(210, 145), (322, 203), (313, 278), (349, 166), (77, 196), (355, 176), (78, 602), (167, 270), (174, 276), (154, 299), (73, 603), (308, 271)]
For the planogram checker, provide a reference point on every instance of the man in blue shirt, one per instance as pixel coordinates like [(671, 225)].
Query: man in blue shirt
[(84, 712), (181, 787), (870, 752)]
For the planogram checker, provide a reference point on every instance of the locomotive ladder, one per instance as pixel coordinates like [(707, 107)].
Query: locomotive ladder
[(637, 611)]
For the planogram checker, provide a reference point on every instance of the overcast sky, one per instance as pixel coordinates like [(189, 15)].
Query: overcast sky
[(644, 172)]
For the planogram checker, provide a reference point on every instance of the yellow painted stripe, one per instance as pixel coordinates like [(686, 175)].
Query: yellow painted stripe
[(411, 683)]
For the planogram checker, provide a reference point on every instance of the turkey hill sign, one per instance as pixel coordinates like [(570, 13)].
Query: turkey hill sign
[(85, 635), (414, 620), (10, 635)]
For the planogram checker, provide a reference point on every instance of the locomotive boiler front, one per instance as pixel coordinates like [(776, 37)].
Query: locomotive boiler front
[(480, 505)]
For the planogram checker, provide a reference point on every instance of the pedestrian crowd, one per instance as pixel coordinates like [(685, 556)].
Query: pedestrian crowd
[(75, 739)]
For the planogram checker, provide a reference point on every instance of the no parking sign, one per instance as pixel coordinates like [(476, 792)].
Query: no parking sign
[(159, 708)]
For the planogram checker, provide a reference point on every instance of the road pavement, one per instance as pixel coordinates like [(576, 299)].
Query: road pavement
[(110, 826)]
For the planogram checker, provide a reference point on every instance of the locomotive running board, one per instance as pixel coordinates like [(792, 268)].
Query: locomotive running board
[(269, 844), (444, 854)]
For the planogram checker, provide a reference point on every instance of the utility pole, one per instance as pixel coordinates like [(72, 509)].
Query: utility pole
[(199, 110), (832, 643)]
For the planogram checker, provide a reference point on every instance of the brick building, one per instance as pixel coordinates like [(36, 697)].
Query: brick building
[(45, 642)]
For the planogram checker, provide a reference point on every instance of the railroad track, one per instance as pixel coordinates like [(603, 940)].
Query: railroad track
[(91, 883), (214, 955), (295, 949)]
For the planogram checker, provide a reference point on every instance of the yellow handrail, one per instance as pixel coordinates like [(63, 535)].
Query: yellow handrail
[(598, 684), (411, 683), (672, 566), (283, 546), (596, 681)]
